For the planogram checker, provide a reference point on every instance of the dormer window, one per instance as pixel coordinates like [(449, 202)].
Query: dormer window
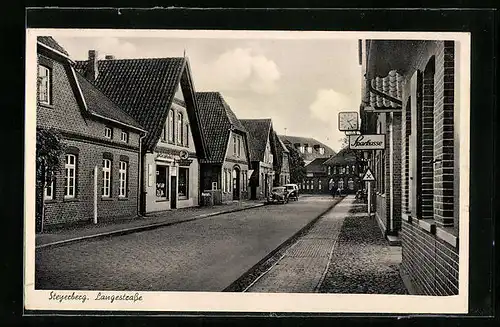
[(309, 149), (301, 149), (124, 137), (108, 132), (321, 150)]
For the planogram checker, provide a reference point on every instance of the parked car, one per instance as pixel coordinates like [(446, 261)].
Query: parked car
[(293, 191), (278, 194)]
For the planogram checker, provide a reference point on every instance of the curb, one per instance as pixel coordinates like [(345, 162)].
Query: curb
[(234, 286), (136, 229)]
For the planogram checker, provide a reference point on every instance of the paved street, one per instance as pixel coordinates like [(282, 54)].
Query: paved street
[(201, 255)]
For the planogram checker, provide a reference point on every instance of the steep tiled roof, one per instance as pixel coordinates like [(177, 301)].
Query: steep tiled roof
[(217, 119), (51, 43), (145, 89), (345, 156), (316, 166), (258, 134), (308, 157), (98, 103)]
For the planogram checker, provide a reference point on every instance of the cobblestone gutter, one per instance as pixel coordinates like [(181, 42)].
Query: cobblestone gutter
[(362, 261)]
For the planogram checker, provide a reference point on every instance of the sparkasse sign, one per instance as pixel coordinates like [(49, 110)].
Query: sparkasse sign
[(367, 142)]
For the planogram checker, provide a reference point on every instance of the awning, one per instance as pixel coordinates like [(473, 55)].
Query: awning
[(387, 55)]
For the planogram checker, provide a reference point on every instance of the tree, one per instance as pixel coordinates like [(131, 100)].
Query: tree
[(49, 149), (297, 165)]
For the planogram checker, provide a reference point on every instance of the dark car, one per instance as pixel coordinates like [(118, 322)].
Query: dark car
[(293, 191), (278, 194)]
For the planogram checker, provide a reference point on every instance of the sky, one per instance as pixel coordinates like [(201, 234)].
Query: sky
[(301, 84)]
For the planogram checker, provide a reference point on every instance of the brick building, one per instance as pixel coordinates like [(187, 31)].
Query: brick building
[(316, 179), (423, 112), (345, 171), (282, 163), (100, 169), (262, 156), (159, 94), (225, 168), (308, 147)]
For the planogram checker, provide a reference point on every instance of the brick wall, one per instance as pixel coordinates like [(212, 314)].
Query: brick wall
[(405, 157), (81, 208), (397, 191), (430, 264), (443, 134), (427, 155)]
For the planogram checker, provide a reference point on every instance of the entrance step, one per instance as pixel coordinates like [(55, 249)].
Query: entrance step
[(394, 240)]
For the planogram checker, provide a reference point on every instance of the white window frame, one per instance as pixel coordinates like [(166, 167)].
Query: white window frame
[(329, 170), (170, 128), (239, 146), (180, 123), (106, 178), (44, 83), (49, 186), (123, 175), (70, 175), (124, 137), (321, 150), (309, 149), (301, 149), (108, 130)]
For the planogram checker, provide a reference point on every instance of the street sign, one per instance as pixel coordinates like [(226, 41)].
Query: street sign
[(367, 142), (368, 177)]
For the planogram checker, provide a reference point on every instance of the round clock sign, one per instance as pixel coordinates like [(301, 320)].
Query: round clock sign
[(184, 154)]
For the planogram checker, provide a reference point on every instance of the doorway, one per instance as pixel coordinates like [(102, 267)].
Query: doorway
[(236, 183), (173, 192)]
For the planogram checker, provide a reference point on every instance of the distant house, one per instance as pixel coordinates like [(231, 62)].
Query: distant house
[(262, 156), (159, 94), (345, 171), (282, 163), (226, 166), (308, 148), (99, 170), (316, 180)]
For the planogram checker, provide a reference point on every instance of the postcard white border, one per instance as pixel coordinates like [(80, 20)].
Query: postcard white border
[(253, 302)]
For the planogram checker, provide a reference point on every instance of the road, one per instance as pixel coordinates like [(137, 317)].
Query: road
[(202, 255)]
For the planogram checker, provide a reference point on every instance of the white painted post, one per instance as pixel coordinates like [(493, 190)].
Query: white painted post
[(369, 198), (95, 195)]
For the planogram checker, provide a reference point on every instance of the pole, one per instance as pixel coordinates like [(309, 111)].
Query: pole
[(95, 195), (369, 198)]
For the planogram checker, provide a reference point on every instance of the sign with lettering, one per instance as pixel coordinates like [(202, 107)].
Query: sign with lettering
[(368, 177), (367, 142), (173, 171), (184, 162)]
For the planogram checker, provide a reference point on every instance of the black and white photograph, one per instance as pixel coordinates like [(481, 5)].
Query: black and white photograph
[(179, 170)]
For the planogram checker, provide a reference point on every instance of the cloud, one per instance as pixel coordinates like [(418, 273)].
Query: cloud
[(241, 70), (326, 106), (116, 47)]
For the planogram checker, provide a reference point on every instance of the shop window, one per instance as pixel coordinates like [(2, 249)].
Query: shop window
[(183, 183), (162, 179)]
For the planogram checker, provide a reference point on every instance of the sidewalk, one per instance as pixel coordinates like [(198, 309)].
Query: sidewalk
[(344, 252), (152, 220)]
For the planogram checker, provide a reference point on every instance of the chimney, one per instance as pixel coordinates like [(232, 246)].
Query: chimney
[(109, 57), (92, 70)]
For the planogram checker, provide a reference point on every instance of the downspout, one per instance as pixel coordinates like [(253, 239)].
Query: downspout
[(139, 177), (391, 173)]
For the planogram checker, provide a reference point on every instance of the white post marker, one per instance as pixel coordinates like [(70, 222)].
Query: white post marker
[(95, 195), (368, 177)]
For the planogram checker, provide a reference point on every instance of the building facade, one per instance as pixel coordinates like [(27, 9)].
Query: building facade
[(429, 147), (345, 171), (282, 163), (262, 155), (316, 179), (159, 94), (225, 170), (99, 173)]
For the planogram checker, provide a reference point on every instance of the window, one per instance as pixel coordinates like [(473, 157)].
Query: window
[(164, 132), (183, 183), (170, 127), (244, 180), (180, 123), (239, 146), (347, 169), (162, 176), (341, 184), (321, 150), (312, 184), (186, 134), (319, 184), (350, 184), (49, 191), (301, 148), (108, 132), (123, 179), (271, 158), (353, 169), (106, 178), (309, 149), (70, 176), (124, 137), (329, 170), (234, 145), (335, 170), (228, 180), (44, 84)]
